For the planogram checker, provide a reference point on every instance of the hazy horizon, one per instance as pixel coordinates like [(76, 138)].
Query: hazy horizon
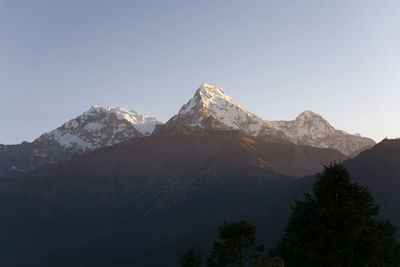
[(276, 59)]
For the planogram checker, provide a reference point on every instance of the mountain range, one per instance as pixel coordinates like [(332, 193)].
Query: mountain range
[(141, 193), (210, 107)]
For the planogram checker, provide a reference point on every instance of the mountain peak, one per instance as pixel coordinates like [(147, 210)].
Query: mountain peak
[(210, 107), (211, 94), (205, 98), (210, 89), (310, 128), (143, 123), (308, 114)]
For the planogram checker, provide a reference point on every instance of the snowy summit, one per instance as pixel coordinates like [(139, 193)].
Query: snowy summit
[(100, 127), (211, 107)]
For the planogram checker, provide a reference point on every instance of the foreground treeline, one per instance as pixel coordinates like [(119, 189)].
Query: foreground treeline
[(334, 227)]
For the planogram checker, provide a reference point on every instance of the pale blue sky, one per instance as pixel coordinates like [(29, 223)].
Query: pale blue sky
[(340, 59)]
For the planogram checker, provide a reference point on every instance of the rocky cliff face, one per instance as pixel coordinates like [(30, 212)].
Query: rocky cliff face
[(93, 129), (210, 107)]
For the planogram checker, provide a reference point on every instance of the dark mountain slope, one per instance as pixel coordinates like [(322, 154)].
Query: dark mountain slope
[(282, 156), (123, 201), (379, 169)]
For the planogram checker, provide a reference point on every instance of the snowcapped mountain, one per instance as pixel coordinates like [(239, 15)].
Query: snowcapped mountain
[(210, 107), (93, 129), (312, 129), (100, 127)]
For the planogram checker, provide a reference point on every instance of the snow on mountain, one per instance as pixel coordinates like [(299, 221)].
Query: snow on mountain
[(142, 122), (312, 129), (93, 129), (210, 107), (307, 125), (100, 127)]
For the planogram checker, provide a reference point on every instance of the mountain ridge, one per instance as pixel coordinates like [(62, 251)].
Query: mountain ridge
[(210, 107)]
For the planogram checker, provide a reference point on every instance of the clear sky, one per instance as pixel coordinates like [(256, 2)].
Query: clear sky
[(340, 59)]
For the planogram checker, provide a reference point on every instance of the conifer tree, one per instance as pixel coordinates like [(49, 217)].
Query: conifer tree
[(191, 258), (337, 227), (238, 246)]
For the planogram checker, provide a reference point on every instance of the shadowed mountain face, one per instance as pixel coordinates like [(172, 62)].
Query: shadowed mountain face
[(379, 169), (281, 156), (121, 202)]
